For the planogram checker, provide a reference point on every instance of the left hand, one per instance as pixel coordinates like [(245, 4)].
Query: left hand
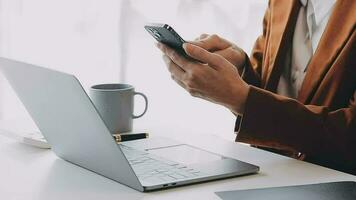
[(213, 78), (228, 50)]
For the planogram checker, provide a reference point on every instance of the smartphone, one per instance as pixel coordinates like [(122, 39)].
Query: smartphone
[(167, 35)]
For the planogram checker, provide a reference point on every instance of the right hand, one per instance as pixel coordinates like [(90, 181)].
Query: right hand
[(218, 45)]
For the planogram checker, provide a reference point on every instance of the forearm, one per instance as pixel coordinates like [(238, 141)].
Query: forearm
[(275, 121), (250, 77)]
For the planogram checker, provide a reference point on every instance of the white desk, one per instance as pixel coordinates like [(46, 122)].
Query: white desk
[(31, 173)]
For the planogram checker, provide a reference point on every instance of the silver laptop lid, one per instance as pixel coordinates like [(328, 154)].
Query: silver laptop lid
[(67, 118)]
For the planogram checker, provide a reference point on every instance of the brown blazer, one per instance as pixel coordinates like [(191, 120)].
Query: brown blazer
[(320, 125)]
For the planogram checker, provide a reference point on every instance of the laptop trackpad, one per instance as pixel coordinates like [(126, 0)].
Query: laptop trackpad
[(185, 154)]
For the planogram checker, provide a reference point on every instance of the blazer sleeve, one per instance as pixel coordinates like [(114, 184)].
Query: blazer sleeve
[(271, 120), (252, 71)]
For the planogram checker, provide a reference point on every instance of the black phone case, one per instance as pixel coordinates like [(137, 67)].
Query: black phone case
[(165, 34)]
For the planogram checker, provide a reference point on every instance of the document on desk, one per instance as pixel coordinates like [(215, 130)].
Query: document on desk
[(322, 191)]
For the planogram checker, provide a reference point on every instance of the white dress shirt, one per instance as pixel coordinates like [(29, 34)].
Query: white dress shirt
[(311, 23)]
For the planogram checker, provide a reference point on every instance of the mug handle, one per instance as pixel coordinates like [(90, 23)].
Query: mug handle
[(146, 105)]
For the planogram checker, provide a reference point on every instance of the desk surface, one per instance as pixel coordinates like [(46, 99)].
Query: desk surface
[(30, 173)]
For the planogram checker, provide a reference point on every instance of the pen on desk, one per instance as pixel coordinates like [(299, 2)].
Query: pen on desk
[(129, 136)]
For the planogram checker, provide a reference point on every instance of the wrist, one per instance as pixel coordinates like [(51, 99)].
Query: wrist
[(240, 95), (241, 58)]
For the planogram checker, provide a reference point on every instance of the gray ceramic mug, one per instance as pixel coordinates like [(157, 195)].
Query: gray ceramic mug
[(115, 104)]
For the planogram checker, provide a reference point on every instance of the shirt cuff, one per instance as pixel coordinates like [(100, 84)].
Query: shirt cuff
[(243, 68), (238, 124)]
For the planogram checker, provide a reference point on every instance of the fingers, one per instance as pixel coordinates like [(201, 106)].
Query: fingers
[(202, 36), (198, 53), (179, 60), (179, 82), (191, 91), (212, 42), (174, 69), (234, 56), (178, 75)]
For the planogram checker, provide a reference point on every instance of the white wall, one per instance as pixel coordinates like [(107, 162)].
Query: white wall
[(104, 41)]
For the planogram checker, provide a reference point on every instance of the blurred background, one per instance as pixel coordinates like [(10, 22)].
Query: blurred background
[(103, 41)]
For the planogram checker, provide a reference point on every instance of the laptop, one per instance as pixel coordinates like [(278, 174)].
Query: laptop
[(70, 123)]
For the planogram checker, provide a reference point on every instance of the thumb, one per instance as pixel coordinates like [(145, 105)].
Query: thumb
[(212, 43)]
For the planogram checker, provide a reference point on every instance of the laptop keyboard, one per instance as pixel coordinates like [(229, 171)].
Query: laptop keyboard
[(153, 169)]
